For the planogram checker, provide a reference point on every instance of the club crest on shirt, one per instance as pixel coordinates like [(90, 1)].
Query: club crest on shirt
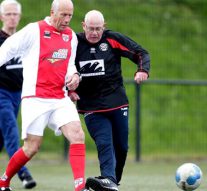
[(103, 47), (65, 37)]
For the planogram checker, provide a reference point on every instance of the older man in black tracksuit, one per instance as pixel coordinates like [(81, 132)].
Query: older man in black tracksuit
[(101, 95)]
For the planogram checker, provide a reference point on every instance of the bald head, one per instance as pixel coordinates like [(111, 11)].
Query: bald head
[(94, 17), (93, 26)]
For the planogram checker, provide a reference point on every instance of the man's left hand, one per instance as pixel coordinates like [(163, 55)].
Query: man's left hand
[(140, 77)]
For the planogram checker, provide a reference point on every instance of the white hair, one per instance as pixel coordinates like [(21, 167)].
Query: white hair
[(93, 14), (8, 2), (55, 5)]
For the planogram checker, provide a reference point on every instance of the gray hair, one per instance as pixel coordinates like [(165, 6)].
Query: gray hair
[(92, 14), (7, 2), (55, 5)]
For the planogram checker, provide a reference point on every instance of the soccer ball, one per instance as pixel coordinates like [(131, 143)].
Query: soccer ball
[(188, 176)]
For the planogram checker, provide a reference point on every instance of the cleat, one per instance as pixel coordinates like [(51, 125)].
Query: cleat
[(101, 183), (27, 181), (5, 189)]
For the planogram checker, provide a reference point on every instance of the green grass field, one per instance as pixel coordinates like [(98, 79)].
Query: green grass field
[(55, 174)]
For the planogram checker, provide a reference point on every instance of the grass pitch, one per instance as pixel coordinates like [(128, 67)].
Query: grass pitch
[(55, 174)]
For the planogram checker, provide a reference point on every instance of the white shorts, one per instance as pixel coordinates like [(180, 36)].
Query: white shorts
[(39, 113)]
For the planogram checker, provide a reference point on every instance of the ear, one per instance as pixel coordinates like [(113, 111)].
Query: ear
[(51, 12), (84, 25)]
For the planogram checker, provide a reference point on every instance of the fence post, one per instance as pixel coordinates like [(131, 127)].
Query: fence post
[(137, 117)]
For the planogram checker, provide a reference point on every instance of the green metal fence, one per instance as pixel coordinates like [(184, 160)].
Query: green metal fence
[(170, 119)]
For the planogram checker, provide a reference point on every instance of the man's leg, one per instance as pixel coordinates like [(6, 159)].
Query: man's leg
[(75, 135), (16, 162), (11, 146), (19, 159), (77, 162), (100, 130), (119, 119), (11, 132)]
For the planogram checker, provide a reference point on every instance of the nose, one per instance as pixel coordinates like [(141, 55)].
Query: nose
[(68, 18)]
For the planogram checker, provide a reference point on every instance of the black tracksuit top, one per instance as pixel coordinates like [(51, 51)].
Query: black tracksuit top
[(101, 88), (10, 73)]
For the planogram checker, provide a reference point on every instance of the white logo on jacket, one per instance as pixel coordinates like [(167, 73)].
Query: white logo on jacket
[(103, 47), (92, 68)]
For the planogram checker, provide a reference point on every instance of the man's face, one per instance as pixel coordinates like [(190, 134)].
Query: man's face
[(10, 16), (61, 18), (93, 30)]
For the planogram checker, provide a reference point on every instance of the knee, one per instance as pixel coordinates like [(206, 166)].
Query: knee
[(31, 149), (103, 145), (80, 138), (74, 133), (123, 149)]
